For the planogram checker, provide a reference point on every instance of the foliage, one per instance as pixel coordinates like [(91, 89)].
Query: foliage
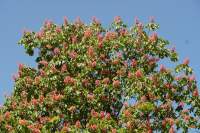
[(92, 79)]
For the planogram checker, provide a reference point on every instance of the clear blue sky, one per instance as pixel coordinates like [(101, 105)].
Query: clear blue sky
[(179, 21)]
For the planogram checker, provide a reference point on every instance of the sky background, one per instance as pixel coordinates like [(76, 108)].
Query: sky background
[(179, 23)]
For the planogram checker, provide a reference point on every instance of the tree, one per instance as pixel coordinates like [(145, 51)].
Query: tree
[(92, 79)]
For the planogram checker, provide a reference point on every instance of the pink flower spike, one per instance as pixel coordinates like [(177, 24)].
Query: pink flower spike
[(186, 61), (65, 20)]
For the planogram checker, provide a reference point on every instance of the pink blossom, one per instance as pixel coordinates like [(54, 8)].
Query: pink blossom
[(117, 19), (73, 55), (43, 62), (40, 34), (63, 68), (108, 116), (191, 78), (90, 51), (100, 38), (58, 30), (133, 63), (78, 124), (85, 82), (97, 82), (153, 37), (162, 68), (94, 113), (138, 73), (106, 80), (136, 20), (102, 114), (21, 66), (93, 64), (88, 33), (125, 104), (93, 127), (78, 21), (95, 20), (42, 73), (65, 20), (186, 61), (181, 104), (69, 80), (56, 51), (116, 83), (90, 96), (195, 93), (74, 39)]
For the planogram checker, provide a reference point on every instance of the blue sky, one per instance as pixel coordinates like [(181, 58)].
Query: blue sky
[(179, 21)]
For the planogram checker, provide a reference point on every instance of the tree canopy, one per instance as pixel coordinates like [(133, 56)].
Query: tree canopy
[(95, 79)]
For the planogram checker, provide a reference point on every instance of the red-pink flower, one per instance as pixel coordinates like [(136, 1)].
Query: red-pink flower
[(195, 93), (43, 62), (63, 68), (65, 20), (40, 34), (138, 73), (130, 75), (74, 39), (48, 24), (88, 33), (93, 127), (90, 97), (21, 66), (97, 82), (57, 97), (102, 114), (78, 124), (191, 78), (136, 20), (58, 29), (23, 122), (56, 51), (106, 80), (181, 104), (73, 55), (171, 130), (127, 113), (110, 35), (69, 80), (133, 63), (94, 113), (93, 64), (117, 19), (7, 115), (42, 73), (95, 20), (116, 83), (186, 61), (85, 82), (100, 38), (125, 104), (113, 130), (162, 68), (108, 116), (153, 37), (34, 101), (90, 51)]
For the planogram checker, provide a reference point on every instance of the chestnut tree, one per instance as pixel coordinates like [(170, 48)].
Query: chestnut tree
[(90, 78)]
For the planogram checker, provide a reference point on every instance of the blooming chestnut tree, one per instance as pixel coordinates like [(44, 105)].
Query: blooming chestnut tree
[(92, 79)]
